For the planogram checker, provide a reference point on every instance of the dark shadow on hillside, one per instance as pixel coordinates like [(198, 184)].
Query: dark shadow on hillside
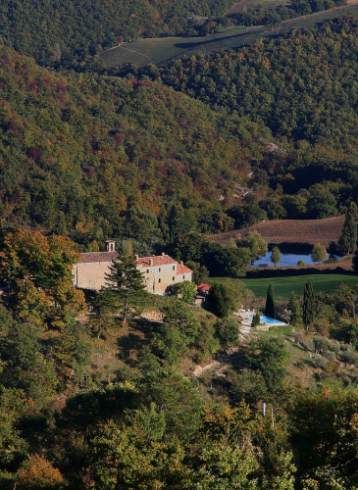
[(88, 408), (215, 40)]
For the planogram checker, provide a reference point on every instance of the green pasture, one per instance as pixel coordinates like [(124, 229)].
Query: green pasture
[(285, 286), (160, 50)]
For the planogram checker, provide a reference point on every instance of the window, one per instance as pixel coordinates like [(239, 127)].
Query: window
[(159, 280), (147, 271), (159, 269), (173, 278), (173, 267), (183, 277)]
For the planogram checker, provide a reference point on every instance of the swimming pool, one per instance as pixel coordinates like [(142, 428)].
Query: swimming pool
[(272, 322)]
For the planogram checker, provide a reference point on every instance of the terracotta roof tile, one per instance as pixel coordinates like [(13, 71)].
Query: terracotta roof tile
[(97, 257), (183, 269), (155, 260)]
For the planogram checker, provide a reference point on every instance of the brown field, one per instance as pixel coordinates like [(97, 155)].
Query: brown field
[(310, 231)]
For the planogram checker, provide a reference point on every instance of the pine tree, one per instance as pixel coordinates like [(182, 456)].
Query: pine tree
[(270, 303), (309, 305), (125, 284), (348, 239)]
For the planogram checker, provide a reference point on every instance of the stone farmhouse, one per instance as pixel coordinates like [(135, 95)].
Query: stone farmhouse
[(159, 271)]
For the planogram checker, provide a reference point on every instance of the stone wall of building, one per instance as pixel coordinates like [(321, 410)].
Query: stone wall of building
[(90, 275), (158, 278), (159, 272)]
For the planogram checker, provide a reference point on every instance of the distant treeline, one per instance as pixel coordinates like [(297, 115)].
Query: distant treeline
[(268, 14)]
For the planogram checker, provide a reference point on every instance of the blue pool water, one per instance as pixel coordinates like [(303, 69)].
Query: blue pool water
[(266, 320), (286, 260)]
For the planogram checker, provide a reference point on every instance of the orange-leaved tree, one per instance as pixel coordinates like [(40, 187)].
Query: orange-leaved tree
[(36, 277), (38, 472)]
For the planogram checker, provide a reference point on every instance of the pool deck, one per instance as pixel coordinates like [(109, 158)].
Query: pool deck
[(246, 317)]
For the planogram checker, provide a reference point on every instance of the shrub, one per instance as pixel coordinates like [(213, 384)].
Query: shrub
[(227, 330)]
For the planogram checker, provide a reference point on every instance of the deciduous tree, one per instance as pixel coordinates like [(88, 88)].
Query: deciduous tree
[(276, 255)]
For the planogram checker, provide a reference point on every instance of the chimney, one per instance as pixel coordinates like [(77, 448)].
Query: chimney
[(163, 254), (110, 246)]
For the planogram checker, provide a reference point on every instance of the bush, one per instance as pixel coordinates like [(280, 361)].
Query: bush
[(185, 290), (349, 357), (227, 330), (220, 301)]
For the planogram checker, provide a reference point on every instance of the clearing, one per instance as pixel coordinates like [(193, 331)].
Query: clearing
[(324, 231), (163, 49)]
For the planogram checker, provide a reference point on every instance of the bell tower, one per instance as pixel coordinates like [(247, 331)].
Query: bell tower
[(110, 246)]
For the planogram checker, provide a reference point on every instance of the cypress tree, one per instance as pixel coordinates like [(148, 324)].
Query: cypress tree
[(270, 303), (309, 305), (348, 239)]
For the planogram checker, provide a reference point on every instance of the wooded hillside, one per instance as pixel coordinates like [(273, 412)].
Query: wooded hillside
[(66, 32), (302, 86), (94, 156)]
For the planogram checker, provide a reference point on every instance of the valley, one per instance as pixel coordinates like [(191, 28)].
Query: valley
[(178, 245)]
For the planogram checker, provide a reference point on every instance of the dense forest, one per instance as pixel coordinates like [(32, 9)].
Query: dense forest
[(115, 143), (271, 13), (68, 32), (95, 157), (302, 86)]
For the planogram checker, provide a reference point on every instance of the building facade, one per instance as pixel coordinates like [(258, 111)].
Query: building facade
[(159, 271)]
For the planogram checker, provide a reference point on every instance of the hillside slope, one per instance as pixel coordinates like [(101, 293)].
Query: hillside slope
[(302, 86), (67, 31), (94, 156)]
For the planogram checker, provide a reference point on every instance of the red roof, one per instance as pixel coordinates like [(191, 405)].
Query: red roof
[(183, 269), (204, 287), (97, 257)]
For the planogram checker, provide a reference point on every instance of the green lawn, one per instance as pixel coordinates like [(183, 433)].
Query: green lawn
[(285, 286), (161, 50)]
